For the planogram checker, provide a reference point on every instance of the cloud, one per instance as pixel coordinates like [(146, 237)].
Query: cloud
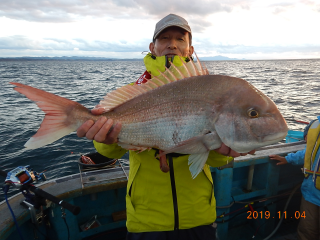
[(19, 42), (286, 6), (59, 11), (199, 25), (313, 4), (126, 26), (25, 43), (64, 10), (227, 49), (189, 8), (281, 7), (91, 48)]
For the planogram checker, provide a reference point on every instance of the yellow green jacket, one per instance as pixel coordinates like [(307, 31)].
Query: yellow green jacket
[(149, 196), (156, 203)]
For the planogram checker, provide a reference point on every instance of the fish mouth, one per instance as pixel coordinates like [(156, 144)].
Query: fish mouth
[(262, 142), (275, 137)]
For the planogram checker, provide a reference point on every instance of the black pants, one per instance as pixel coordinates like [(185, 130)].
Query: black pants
[(198, 233)]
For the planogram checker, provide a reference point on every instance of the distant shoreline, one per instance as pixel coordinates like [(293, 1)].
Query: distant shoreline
[(74, 58), (66, 59)]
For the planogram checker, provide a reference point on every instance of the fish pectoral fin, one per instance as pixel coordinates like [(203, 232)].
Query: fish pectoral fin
[(196, 163), (192, 145), (198, 144)]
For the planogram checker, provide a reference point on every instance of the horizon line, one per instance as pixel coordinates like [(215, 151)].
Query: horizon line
[(214, 58)]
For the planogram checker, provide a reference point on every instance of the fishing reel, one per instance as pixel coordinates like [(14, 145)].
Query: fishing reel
[(23, 175)]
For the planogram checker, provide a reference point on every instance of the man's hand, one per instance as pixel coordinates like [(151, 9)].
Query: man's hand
[(225, 150), (163, 163), (282, 160), (102, 131)]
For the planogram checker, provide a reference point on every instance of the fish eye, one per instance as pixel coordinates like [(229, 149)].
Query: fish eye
[(253, 113)]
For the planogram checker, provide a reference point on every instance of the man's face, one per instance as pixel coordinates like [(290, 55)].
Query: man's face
[(172, 41)]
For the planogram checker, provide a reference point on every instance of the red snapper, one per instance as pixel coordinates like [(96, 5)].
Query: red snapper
[(183, 110)]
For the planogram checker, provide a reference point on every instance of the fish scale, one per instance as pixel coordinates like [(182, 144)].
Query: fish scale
[(163, 120)]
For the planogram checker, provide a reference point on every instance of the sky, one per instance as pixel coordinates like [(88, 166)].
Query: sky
[(249, 29)]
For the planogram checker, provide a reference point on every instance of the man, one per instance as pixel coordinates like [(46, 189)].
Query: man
[(163, 205), (309, 223)]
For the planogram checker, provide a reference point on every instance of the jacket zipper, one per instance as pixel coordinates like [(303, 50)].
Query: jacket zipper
[(174, 194)]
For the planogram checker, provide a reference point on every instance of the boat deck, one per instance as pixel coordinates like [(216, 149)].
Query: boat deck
[(102, 193)]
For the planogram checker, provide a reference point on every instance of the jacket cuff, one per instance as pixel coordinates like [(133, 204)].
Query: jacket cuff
[(217, 160), (109, 150)]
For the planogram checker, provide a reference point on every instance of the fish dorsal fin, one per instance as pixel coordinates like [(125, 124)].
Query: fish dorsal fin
[(174, 73)]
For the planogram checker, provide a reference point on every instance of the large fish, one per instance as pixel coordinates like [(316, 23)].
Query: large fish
[(183, 110)]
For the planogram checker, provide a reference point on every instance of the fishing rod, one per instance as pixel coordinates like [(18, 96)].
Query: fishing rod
[(297, 121), (23, 177)]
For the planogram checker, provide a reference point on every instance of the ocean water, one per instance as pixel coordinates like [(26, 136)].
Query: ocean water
[(294, 86)]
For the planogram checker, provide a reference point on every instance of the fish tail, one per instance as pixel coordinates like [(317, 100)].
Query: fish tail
[(61, 115)]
